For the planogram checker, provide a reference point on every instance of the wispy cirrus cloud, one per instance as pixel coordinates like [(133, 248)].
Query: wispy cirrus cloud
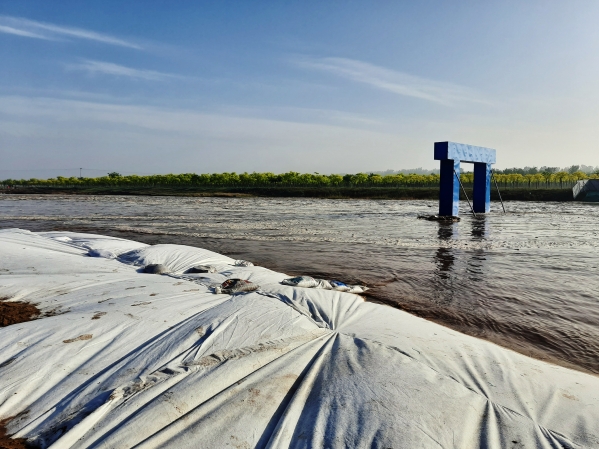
[(18, 32), (40, 30), (392, 81), (109, 68)]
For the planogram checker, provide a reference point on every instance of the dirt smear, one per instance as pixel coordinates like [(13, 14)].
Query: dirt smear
[(14, 312), (79, 338), (6, 442)]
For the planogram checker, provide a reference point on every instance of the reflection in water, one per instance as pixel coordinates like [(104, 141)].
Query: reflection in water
[(444, 257), (444, 293), (480, 232), (444, 261), (480, 228), (454, 266), (475, 266), (446, 231)]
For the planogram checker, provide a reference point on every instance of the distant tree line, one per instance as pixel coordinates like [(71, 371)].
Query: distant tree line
[(548, 170), (530, 178), (545, 179), (289, 179)]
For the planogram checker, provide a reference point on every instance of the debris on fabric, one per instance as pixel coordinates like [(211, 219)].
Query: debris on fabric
[(301, 281), (243, 263), (310, 282), (156, 268), (231, 286), (202, 269)]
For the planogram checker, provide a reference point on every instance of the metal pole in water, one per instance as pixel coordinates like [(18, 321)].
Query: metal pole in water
[(465, 194), (498, 192)]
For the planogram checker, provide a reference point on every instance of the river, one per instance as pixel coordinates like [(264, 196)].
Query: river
[(527, 279)]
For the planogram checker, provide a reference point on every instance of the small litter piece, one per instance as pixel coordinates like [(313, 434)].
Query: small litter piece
[(301, 281), (101, 253), (235, 286), (156, 268), (202, 269), (338, 285), (310, 282), (341, 287), (243, 263)]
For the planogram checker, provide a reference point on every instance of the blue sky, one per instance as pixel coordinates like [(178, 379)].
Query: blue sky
[(157, 86)]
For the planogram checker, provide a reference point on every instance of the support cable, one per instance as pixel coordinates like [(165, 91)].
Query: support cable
[(464, 190), (497, 187)]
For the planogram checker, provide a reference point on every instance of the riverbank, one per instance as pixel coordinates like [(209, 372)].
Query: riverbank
[(399, 193)]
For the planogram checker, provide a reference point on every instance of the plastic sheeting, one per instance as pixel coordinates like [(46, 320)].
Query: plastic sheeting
[(139, 360)]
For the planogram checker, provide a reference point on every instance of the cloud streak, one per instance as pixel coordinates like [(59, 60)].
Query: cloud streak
[(40, 30), (158, 139), (23, 33), (109, 68), (392, 81)]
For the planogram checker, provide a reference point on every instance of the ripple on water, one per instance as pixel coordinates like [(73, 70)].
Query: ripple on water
[(526, 279)]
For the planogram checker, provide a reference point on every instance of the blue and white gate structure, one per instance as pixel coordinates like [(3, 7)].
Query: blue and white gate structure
[(451, 154)]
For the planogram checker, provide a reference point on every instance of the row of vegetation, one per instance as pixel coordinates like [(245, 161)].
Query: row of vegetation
[(535, 170), (561, 179)]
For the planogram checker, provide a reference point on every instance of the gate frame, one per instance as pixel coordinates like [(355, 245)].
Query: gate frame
[(450, 155)]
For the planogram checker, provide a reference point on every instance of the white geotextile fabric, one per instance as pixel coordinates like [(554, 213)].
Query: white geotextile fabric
[(139, 360)]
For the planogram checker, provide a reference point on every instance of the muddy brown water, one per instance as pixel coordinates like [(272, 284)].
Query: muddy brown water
[(527, 280)]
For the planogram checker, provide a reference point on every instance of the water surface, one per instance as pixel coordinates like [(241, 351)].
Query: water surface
[(527, 280)]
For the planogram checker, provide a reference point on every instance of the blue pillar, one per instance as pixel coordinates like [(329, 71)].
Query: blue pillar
[(449, 192), (482, 188)]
